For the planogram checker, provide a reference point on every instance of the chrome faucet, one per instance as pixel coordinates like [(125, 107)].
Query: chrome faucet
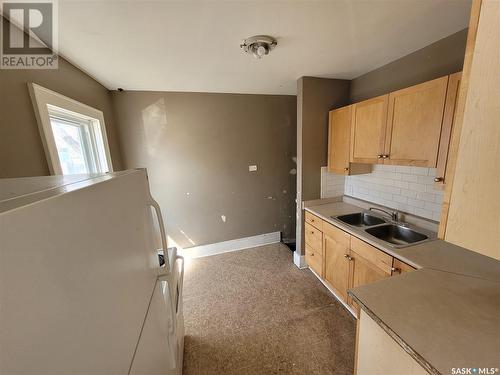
[(394, 215)]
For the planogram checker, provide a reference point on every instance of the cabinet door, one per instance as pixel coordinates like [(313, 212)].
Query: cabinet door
[(336, 250), (448, 122), (368, 130), (339, 135), (365, 272), (415, 118), (401, 267)]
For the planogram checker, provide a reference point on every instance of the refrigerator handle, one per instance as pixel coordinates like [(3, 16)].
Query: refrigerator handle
[(159, 217)]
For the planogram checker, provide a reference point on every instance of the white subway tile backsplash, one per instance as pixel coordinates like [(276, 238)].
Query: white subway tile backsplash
[(416, 187), (416, 203), (401, 169), (408, 189), (420, 171), (429, 197), (409, 177), (332, 185), (408, 193)]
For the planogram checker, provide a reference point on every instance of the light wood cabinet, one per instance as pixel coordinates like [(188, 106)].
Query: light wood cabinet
[(313, 237), (315, 260), (369, 120), (339, 134), (471, 197), (400, 267), (339, 144), (344, 261), (372, 254), (414, 121), (411, 126), (368, 264), (313, 220), (337, 266), (448, 125)]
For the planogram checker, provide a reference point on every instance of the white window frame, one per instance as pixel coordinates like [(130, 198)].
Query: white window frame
[(42, 98)]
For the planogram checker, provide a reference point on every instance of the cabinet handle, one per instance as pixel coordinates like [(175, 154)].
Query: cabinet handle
[(439, 179)]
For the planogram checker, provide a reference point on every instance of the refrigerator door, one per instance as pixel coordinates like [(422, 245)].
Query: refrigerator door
[(161, 345), (77, 271)]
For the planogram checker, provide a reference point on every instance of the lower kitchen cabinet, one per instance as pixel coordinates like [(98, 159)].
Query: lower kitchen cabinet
[(401, 267), (344, 261), (315, 260), (336, 245)]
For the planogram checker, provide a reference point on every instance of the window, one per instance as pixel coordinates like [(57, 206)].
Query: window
[(73, 134)]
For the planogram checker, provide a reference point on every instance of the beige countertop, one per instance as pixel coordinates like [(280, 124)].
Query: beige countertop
[(446, 314)]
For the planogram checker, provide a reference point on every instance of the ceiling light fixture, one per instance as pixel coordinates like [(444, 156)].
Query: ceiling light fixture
[(259, 45)]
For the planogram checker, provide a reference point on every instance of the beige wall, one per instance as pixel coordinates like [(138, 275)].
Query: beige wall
[(315, 97), (197, 148), (21, 150), (436, 60)]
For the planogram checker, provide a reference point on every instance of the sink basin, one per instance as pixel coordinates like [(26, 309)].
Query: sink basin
[(360, 219), (396, 234)]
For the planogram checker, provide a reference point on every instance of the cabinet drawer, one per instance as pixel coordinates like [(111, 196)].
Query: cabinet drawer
[(401, 267), (314, 221), (315, 260), (373, 255), (314, 238)]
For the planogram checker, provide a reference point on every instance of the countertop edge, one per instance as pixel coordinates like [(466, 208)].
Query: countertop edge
[(402, 343)]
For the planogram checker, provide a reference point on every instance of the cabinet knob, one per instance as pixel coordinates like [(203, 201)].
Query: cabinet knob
[(348, 257), (439, 179), (395, 270), (385, 156), (346, 169), (380, 156)]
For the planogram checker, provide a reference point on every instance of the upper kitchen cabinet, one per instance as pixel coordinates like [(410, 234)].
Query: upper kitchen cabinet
[(339, 135), (414, 122), (368, 130), (448, 126)]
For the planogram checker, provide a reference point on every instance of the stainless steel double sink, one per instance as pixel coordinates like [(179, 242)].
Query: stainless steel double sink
[(395, 234)]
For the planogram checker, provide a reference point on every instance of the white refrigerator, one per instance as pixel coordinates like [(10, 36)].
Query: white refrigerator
[(81, 288)]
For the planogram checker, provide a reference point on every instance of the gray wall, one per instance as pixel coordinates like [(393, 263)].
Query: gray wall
[(436, 60), (197, 148), (315, 98), (21, 149)]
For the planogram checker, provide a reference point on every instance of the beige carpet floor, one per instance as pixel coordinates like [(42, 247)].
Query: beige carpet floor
[(253, 312)]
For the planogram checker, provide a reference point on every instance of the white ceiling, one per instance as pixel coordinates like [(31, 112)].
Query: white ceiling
[(194, 45)]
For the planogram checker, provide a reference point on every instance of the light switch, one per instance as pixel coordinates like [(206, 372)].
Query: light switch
[(252, 168)]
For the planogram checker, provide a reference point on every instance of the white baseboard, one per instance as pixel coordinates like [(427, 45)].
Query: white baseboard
[(232, 245), (349, 308), (299, 260)]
